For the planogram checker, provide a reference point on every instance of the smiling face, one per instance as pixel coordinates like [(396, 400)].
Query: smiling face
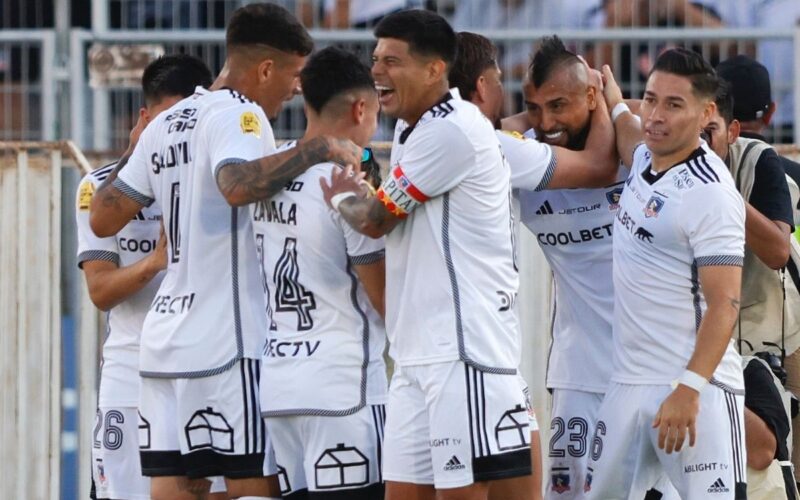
[(673, 115), (560, 109), (402, 79)]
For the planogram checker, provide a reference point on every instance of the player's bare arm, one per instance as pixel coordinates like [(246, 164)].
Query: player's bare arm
[(111, 209), (245, 183), (627, 128), (768, 239), (366, 214), (109, 285), (678, 413), (373, 278)]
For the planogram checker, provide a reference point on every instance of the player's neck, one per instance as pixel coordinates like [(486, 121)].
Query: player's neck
[(318, 128), (426, 102), (230, 80), (661, 163)]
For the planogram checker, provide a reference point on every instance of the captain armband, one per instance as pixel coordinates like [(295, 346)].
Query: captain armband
[(399, 195)]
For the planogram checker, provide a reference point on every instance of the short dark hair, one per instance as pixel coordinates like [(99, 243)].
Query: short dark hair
[(425, 32), (552, 54), (173, 75), (475, 54), (329, 73), (685, 62), (268, 24), (724, 101)]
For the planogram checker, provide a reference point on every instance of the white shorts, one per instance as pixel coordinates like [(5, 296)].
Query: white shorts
[(572, 423), (330, 454), (450, 425), (626, 460), (201, 427), (116, 470)]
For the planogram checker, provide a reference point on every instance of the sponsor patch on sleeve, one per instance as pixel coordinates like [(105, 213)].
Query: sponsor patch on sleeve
[(250, 124), (514, 134), (85, 194), (399, 195)]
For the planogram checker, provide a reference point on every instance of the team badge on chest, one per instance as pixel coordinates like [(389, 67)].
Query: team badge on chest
[(653, 206)]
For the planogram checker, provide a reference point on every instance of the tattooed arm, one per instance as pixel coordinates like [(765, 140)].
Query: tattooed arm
[(365, 213), (247, 182)]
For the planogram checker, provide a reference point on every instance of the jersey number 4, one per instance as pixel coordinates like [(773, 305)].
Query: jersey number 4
[(290, 295)]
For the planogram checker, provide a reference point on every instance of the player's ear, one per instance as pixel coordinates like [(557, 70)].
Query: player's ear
[(591, 97), (708, 111), (358, 110), (480, 89), (145, 115), (734, 129), (437, 69), (265, 69)]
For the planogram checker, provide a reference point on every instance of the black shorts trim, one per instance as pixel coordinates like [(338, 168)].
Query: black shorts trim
[(161, 463), (374, 491), (201, 463), (503, 466)]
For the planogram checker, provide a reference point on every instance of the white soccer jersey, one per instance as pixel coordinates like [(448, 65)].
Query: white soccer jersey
[(210, 310), (532, 162), (451, 279), (119, 380), (574, 230), (324, 352), (667, 226)]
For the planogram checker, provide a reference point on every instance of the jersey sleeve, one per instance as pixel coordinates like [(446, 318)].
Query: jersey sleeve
[(436, 159), (90, 246), (362, 249), (238, 134), (133, 180), (770, 194), (712, 218), (532, 162)]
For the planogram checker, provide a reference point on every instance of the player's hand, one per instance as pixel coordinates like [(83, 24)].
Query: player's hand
[(343, 151), (676, 417), (159, 255), (611, 90), (595, 77), (342, 181)]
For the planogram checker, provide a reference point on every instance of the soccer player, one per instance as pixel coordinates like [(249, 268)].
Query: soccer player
[(323, 382), (203, 161), (123, 274), (573, 228), (456, 417), (675, 403)]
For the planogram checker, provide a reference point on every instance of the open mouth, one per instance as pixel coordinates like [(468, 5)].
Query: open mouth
[(384, 92), (554, 136)]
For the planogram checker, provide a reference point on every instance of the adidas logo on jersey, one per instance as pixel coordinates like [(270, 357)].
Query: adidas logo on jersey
[(454, 464), (718, 487), (545, 209)]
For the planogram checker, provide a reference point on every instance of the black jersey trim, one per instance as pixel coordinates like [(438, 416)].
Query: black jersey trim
[(105, 255), (548, 174), (720, 260), (367, 258), (132, 193), (698, 311), (237, 315), (101, 173), (448, 96), (227, 161), (448, 258)]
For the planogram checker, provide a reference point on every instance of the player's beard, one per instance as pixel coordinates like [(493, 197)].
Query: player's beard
[(578, 141)]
